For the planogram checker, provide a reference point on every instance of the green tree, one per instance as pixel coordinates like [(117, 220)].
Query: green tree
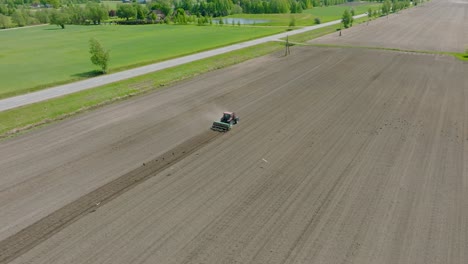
[(4, 9), (42, 16), (236, 9), (294, 5), (180, 17), (395, 7), (126, 11), (99, 56), (347, 19), (152, 16), (4, 21), (96, 12), (141, 11), (19, 17), (54, 3), (376, 13), (279, 6), (292, 21), (76, 14), (222, 7), (59, 18), (300, 8), (186, 4), (165, 6), (386, 6)]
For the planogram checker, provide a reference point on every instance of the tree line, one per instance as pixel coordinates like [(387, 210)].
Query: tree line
[(92, 12), (62, 12)]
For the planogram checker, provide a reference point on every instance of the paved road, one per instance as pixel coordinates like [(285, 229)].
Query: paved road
[(17, 101)]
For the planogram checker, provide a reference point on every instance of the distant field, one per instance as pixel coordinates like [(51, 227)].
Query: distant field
[(111, 4), (306, 18), (335, 12), (34, 58)]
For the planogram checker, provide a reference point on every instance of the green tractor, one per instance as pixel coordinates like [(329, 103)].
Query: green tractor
[(226, 122)]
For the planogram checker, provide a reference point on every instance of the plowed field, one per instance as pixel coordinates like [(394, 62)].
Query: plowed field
[(439, 25), (341, 156)]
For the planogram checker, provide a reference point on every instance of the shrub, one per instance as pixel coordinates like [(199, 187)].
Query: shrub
[(4, 21), (292, 21), (347, 19), (317, 20), (99, 56)]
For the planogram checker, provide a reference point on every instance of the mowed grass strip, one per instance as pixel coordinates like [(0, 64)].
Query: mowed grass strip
[(39, 57), (461, 56), (30, 116)]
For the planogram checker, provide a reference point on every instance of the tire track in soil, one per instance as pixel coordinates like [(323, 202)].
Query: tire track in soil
[(21, 242)]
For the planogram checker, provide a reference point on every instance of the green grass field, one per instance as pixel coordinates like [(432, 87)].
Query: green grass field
[(111, 4), (306, 18), (34, 58)]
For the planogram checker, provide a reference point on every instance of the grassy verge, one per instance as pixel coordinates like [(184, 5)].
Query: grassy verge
[(461, 56), (27, 117), (306, 36)]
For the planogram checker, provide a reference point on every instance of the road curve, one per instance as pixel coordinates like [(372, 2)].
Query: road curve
[(30, 98)]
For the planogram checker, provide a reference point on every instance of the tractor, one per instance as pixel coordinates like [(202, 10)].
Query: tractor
[(226, 122)]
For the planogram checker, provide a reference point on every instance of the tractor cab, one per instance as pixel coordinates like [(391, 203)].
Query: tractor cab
[(227, 117)]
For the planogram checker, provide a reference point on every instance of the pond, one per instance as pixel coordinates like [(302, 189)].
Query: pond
[(243, 21)]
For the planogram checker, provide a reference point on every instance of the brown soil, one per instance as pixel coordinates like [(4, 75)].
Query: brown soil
[(341, 156), (438, 25)]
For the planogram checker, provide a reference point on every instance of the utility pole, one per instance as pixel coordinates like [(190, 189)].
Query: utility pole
[(287, 47)]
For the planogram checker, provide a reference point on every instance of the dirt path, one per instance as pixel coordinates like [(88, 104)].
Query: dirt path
[(16, 28)]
